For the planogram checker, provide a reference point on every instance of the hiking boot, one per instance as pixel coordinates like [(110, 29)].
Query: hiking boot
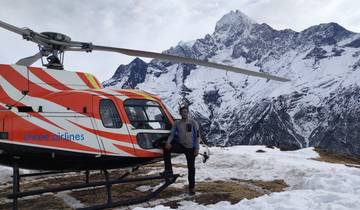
[(167, 173), (191, 192)]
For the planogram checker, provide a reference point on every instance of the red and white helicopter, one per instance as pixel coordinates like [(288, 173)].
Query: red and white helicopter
[(53, 119)]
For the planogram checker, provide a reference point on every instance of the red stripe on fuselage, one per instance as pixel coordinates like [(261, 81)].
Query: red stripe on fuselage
[(114, 136), (130, 94), (17, 80), (97, 82), (48, 79), (85, 79), (138, 152), (22, 129), (6, 99)]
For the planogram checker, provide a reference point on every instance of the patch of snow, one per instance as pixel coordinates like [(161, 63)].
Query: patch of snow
[(6, 173), (69, 200), (312, 184), (144, 188)]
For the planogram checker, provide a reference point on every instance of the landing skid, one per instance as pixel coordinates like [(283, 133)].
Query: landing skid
[(108, 183)]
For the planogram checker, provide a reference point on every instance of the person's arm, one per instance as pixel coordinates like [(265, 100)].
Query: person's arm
[(197, 136), (197, 139)]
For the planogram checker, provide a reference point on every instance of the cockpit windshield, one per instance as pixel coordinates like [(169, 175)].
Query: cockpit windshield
[(146, 114), (173, 113)]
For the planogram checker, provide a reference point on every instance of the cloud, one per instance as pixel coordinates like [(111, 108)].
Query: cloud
[(151, 25)]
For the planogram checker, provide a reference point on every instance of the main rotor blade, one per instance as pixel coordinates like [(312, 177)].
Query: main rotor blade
[(13, 28), (26, 33), (28, 61), (179, 59), (50, 43)]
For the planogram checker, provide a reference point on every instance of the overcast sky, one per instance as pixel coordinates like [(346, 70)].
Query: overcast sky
[(153, 25)]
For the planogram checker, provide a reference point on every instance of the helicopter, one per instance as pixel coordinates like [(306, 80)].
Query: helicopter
[(59, 120)]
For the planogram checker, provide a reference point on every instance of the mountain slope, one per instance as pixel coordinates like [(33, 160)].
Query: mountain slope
[(319, 107)]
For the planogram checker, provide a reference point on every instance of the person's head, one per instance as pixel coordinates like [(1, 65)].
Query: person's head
[(184, 112)]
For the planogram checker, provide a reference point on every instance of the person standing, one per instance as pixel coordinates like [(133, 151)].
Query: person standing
[(184, 138)]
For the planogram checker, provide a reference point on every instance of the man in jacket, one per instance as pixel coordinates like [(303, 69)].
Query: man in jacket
[(184, 138)]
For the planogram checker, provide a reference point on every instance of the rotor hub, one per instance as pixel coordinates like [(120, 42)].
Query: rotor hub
[(57, 36)]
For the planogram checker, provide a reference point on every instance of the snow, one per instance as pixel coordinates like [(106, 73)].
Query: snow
[(234, 18), (69, 200), (312, 184), (5, 175), (315, 78)]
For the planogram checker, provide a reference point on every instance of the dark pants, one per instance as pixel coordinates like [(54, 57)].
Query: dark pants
[(190, 158)]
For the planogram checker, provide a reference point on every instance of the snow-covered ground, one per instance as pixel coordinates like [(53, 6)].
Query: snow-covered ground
[(5, 174), (312, 184)]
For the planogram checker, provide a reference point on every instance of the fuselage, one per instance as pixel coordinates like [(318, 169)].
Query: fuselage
[(64, 120)]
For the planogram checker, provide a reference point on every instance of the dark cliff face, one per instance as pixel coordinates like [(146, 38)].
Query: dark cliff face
[(325, 34), (129, 75), (339, 129), (319, 107)]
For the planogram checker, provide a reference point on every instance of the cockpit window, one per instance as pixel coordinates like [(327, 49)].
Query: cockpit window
[(173, 113), (109, 115), (146, 114)]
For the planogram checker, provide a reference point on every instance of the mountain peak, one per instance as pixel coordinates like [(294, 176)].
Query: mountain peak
[(232, 26), (328, 27), (326, 33), (137, 61), (128, 76), (233, 19)]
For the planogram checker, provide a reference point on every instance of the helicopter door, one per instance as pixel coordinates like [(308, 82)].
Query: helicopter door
[(110, 129), (149, 125)]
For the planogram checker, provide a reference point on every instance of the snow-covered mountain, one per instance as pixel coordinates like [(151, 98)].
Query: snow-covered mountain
[(318, 107)]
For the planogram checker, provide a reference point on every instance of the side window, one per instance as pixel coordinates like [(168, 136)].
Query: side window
[(109, 115)]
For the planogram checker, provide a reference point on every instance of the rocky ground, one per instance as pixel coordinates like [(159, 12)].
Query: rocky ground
[(208, 192), (246, 174)]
